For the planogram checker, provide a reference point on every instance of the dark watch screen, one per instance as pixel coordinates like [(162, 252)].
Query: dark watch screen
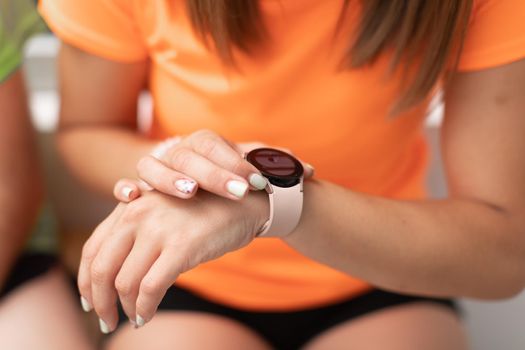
[(279, 167)]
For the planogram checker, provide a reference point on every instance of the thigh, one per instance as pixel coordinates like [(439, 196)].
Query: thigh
[(187, 330), (42, 314), (410, 326)]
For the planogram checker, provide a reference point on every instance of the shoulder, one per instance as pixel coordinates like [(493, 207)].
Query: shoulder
[(495, 34)]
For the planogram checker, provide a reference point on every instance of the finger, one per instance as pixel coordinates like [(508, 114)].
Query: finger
[(220, 151), (205, 173), (210, 176), (137, 264), (166, 180), (126, 190), (309, 170), (256, 183), (234, 146), (104, 268), (155, 283), (89, 252)]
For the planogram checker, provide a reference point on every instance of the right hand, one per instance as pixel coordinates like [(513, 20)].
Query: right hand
[(203, 159), (139, 250)]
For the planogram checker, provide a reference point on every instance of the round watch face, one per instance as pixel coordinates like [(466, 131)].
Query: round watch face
[(281, 168)]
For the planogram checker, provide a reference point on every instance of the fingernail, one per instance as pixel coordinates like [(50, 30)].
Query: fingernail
[(185, 186), (140, 321), (258, 181), (312, 169), (133, 323), (126, 191), (86, 306), (104, 328), (237, 188)]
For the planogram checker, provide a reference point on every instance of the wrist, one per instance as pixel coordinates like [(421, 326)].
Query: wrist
[(258, 205)]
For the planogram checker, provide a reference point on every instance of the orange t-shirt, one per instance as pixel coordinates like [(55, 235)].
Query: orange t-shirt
[(292, 95)]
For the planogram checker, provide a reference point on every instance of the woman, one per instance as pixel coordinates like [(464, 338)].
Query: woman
[(344, 85), (37, 309)]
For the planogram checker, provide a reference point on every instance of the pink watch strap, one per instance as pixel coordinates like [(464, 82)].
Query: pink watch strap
[(286, 205)]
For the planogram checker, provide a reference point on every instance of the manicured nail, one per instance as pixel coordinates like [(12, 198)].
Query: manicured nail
[(237, 188), (126, 191), (133, 323), (258, 181), (86, 306), (140, 321), (103, 326), (185, 186), (312, 169)]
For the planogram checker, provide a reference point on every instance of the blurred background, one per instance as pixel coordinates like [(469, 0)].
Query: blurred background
[(495, 325)]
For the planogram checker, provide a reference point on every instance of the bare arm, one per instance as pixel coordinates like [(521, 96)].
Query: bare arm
[(21, 188), (97, 135), (470, 244)]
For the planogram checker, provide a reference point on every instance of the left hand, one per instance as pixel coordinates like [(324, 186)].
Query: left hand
[(137, 253)]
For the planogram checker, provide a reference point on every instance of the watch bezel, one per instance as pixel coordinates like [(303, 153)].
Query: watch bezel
[(276, 180)]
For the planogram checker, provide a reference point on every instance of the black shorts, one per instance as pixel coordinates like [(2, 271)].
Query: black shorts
[(27, 267), (291, 330)]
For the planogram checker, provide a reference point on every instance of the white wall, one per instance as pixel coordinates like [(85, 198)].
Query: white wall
[(492, 326)]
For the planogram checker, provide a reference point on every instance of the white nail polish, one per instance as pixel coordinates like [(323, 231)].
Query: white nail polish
[(140, 321), (104, 328), (258, 181), (126, 191), (185, 186), (312, 169), (237, 188), (86, 306)]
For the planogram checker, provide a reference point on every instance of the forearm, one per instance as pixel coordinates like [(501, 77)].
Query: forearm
[(100, 156), (453, 247), (20, 180), (98, 136)]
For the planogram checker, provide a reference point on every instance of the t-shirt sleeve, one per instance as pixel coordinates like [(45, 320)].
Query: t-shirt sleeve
[(18, 21), (495, 36), (106, 28)]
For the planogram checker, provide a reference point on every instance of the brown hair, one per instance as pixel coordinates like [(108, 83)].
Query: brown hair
[(419, 32)]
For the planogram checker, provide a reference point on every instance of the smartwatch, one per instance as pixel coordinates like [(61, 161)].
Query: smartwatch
[(284, 174)]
